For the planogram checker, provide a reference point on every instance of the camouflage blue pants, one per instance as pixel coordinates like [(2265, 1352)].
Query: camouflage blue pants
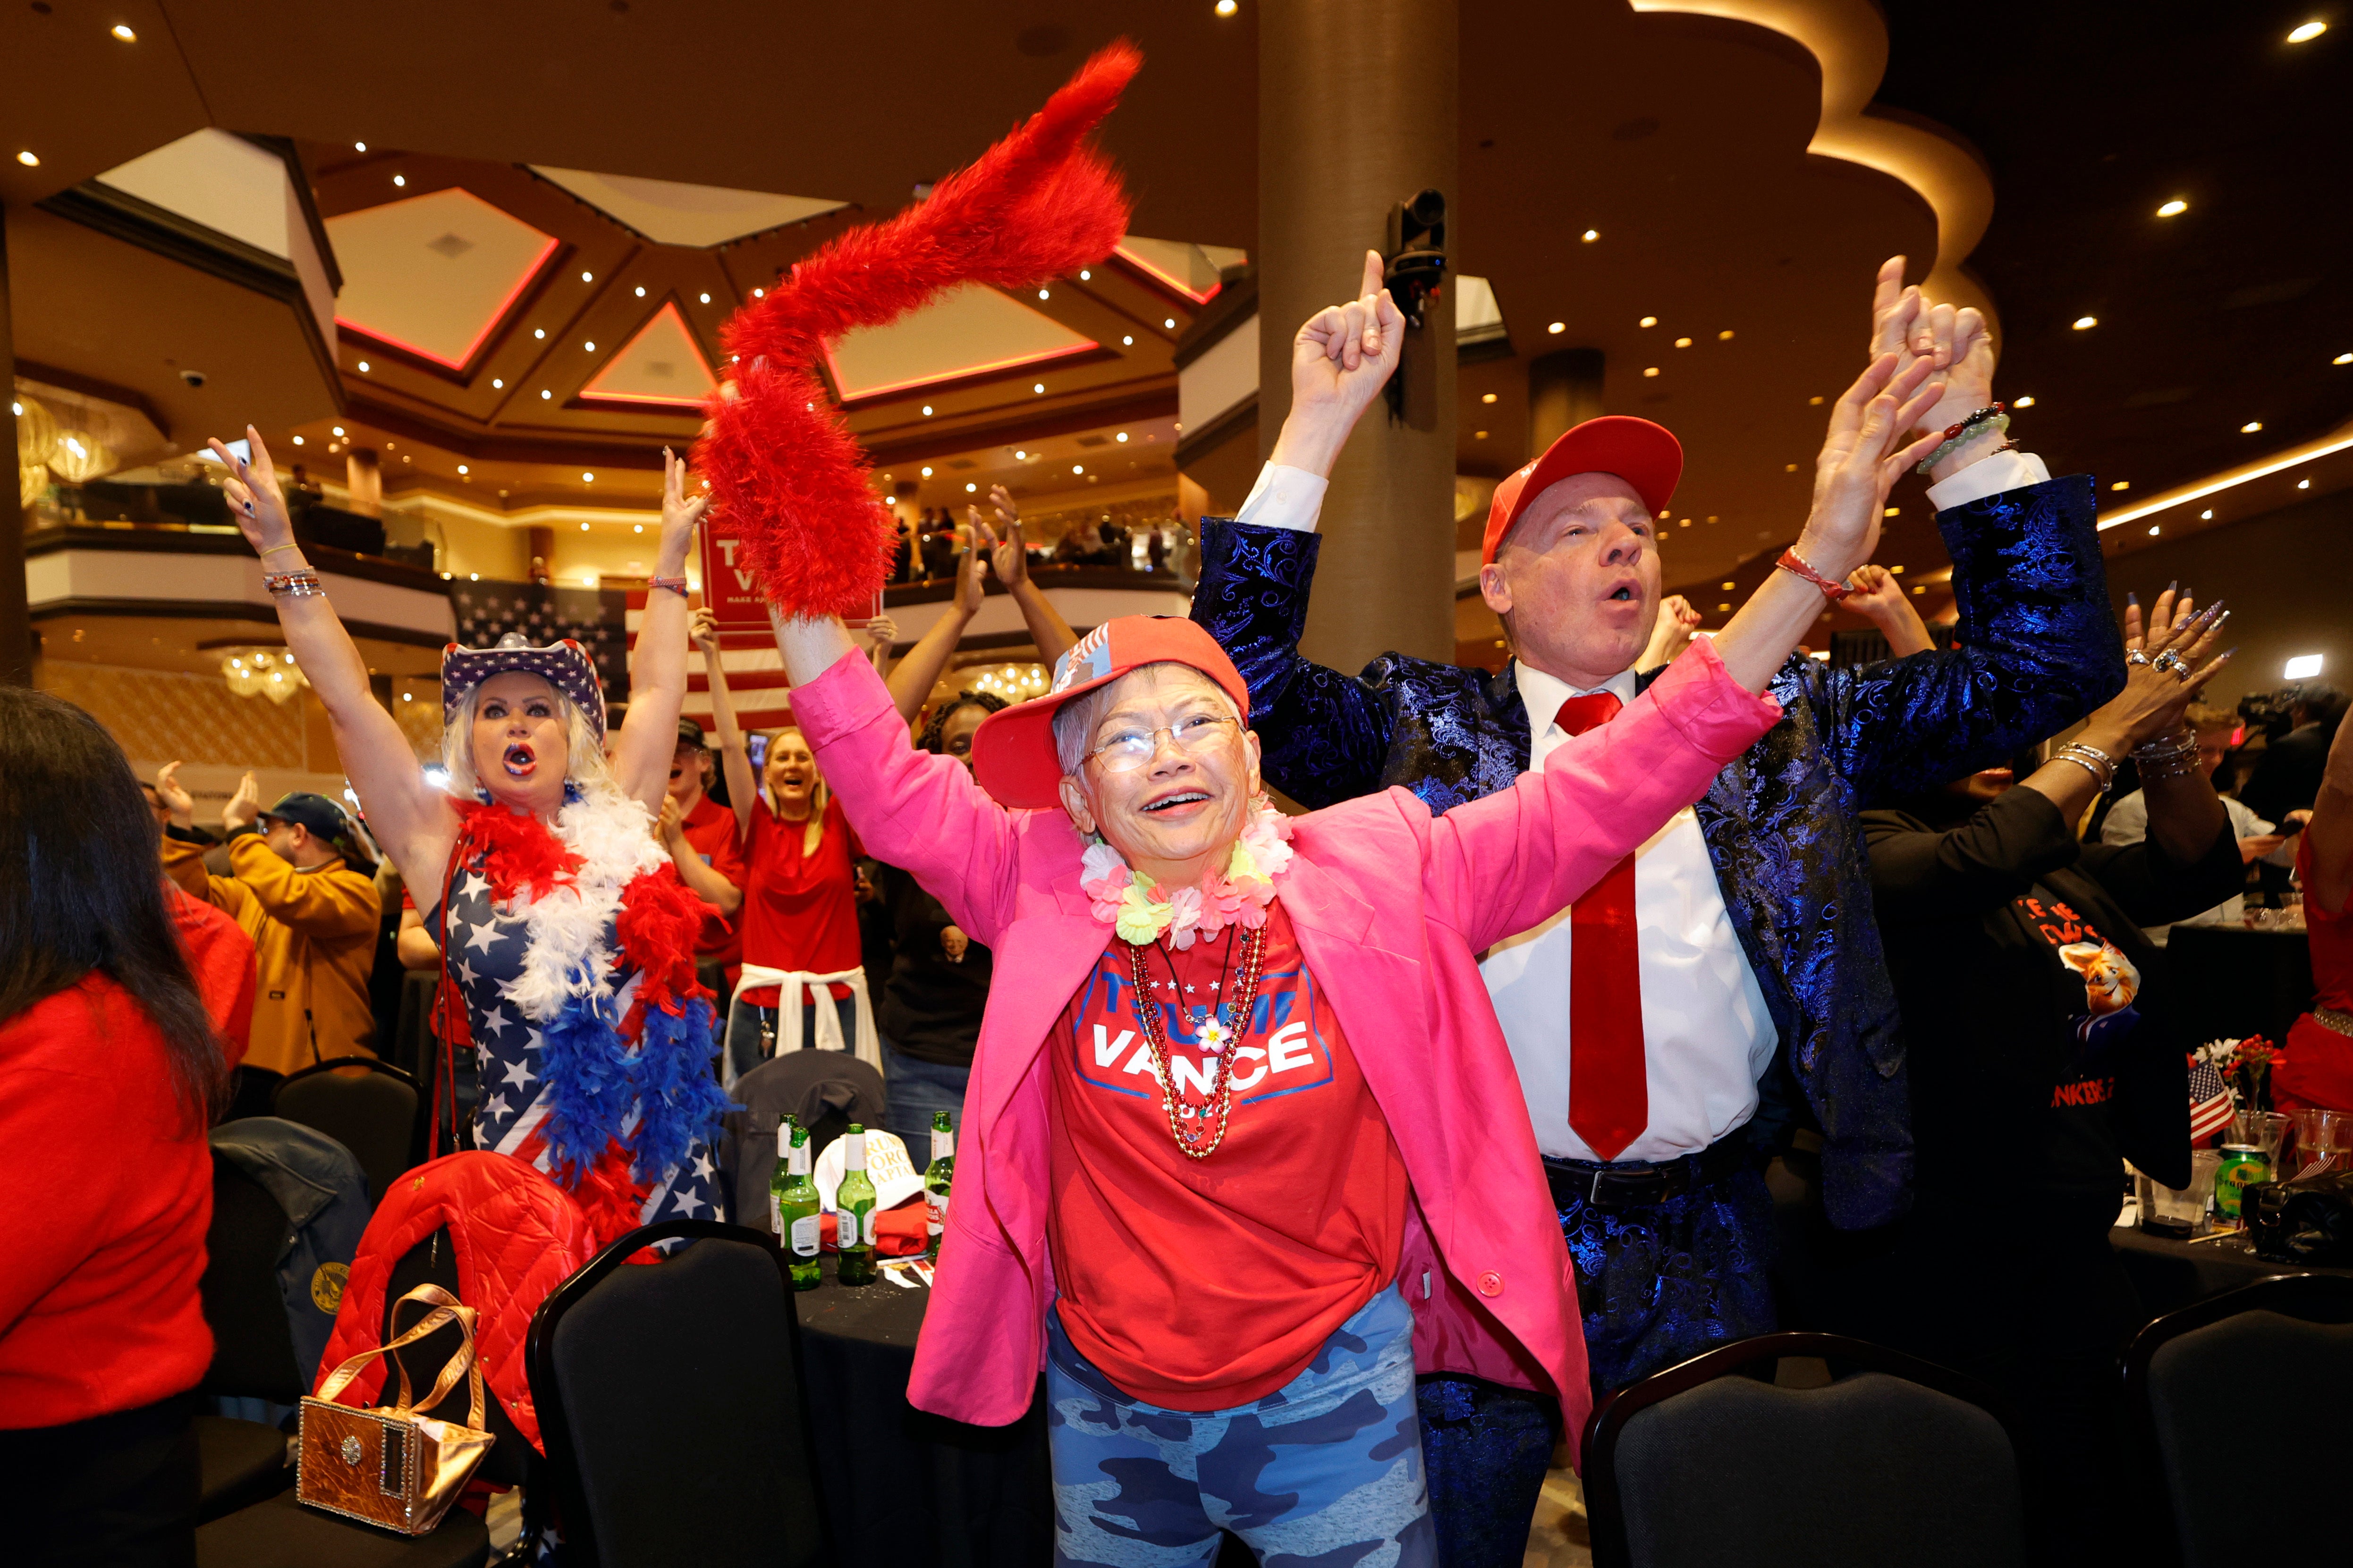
[(1327, 1470)]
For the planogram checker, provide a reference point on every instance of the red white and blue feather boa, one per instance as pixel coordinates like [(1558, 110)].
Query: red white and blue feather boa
[(599, 868)]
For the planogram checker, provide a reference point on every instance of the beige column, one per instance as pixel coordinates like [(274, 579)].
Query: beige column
[(1356, 113), (1564, 389), (364, 479)]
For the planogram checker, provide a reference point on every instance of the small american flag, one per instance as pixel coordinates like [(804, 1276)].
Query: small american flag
[(2209, 1102)]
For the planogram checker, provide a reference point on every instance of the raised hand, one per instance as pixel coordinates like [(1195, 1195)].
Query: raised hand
[(669, 828), (972, 573), (1007, 552), (703, 629), (881, 633), (2161, 674), (1339, 360), (1903, 322), (244, 806), (1860, 457), (255, 499), (679, 513), (174, 795), (1670, 633)]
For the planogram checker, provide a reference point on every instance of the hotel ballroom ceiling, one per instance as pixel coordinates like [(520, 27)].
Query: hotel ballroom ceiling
[(1680, 139)]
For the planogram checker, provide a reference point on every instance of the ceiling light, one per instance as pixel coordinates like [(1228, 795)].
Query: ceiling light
[(1649, 320), (1729, 586), (1078, 467), (359, 146), (462, 469), (588, 278), (339, 429), (1169, 322), (588, 479), (1920, 588), (1127, 341), (1683, 342), (1591, 235), (1895, 570), (1121, 437), (2303, 667), (1786, 469), (539, 332), (1084, 275), (706, 299), (1226, 7), (392, 446), (30, 160), (125, 34), (298, 440), (637, 528), (589, 347), (400, 179), (1045, 294), (496, 384), (545, 396), (1813, 402), (927, 473), (2085, 323), (1891, 512), (2023, 402), (2342, 359), (2304, 484), (473, 576), (1725, 336), (1724, 606), (2121, 485), (641, 290), (970, 488), (2206, 516), (1650, 369), (2153, 529), (1487, 397), (2305, 35), (1479, 435), (2251, 427), (2173, 208), (759, 293), (1020, 456), (363, 364), (928, 414), (583, 527), (1682, 522), (1040, 386), (1558, 327)]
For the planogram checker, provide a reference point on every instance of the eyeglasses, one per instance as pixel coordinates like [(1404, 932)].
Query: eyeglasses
[(1131, 749)]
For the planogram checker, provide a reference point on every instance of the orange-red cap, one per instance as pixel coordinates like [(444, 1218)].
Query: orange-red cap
[(1013, 751), (1645, 455)]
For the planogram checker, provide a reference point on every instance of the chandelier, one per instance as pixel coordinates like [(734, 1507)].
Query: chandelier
[(261, 672)]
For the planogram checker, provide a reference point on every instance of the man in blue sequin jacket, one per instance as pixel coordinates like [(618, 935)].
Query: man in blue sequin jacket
[(1751, 997)]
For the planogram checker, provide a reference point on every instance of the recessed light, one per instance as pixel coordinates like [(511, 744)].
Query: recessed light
[(970, 488), (1045, 293), (927, 473), (1682, 522), (637, 528), (1725, 336), (588, 479), (400, 179), (30, 160), (1649, 320), (462, 469), (2342, 359), (706, 299), (1226, 7), (1729, 586), (1084, 275), (759, 293), (1891, 512), (496, 384), (1813, 402), (1558, 327), (2251, 427), (2121, 485), (339, 429), (2304, 484), (1078, 467), (298, 440), (590, 348), (1121, 437), (1724, 606), (1020, 456), (1920, 588), (2023, 402), (1040, 386), (1785, 468), (588, 278), (1169, 322), (359, 146), (2173, 208), (2308, 32), (2206, 516), (641, 290), (545, 396), (1590, 234), (1127, 340), (1487, 397), (1650, 370), (2085, 323), (928, 414), (539, 332), (1683, 342), (125, 34), (1479, 435)]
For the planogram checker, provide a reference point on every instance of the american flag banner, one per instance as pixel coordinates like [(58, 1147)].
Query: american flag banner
[(543, 613), (2209, 1102)]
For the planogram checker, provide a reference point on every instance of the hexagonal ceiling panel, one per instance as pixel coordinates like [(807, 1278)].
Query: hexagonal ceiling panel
[(670, 213), (970, 330), (434, 274), (660, 366)]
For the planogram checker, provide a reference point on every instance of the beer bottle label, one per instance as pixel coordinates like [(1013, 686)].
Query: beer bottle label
[(775, 1216), (805, 1237), (935, 1211), (873, 1225)]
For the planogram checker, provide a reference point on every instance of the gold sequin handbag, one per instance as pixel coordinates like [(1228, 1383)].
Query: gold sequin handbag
[(390, 1466)]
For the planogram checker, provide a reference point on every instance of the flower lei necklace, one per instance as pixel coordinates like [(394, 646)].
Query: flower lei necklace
[(1144, 916)]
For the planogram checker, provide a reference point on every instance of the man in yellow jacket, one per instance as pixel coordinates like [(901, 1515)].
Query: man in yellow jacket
[(302, 891)]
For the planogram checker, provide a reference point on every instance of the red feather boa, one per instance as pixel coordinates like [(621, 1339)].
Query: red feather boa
[(781, 462)]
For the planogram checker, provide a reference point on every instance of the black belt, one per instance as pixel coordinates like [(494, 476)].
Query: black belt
[(1630, 1185)]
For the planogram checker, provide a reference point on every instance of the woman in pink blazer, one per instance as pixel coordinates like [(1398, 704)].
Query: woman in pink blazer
[(1243, 1147)]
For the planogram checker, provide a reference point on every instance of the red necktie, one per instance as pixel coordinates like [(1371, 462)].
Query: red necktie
[(1608, 1097)]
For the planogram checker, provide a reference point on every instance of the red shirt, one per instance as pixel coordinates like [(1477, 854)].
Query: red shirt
[(220, 957), (104, 1231), (2317, 1068), (801, 911), (1204, 1284), (710, 830)]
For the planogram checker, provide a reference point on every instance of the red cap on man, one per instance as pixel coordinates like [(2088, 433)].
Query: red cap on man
[(1645, 455), (1013, 754)]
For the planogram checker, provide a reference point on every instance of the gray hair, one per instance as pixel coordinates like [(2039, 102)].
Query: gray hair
[(1075, 720), (587, 765)]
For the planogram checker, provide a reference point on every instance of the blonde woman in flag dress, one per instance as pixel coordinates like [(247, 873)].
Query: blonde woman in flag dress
[(568, 940)]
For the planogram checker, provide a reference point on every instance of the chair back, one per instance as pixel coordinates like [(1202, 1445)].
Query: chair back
[(1894, 1460), (827, 1091), (253, 1343), (372, 1112), (2241, 1400), (671, 1403)]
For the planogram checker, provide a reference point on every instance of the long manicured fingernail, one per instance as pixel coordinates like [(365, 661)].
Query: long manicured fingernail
[(2224, 653), (2169, 587), (2131, 597)]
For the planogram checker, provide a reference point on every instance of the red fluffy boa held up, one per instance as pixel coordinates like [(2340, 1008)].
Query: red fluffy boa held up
[(781, 462)]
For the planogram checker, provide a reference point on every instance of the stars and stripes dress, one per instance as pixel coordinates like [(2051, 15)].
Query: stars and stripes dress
[(485, 948)]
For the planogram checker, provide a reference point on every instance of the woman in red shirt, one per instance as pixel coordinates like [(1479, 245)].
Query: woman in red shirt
[(2317, 1067), (109, 1071)]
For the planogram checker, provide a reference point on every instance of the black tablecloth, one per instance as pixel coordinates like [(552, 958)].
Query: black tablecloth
[(2170, 1275), (2233, 982), (901, 1485)]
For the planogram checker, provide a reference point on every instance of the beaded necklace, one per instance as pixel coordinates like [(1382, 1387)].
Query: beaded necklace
[(1199, 1130)]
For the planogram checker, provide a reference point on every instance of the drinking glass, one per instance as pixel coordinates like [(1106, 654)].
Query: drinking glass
[(2263, 1130), (2180, 1212), (2322, 1137)]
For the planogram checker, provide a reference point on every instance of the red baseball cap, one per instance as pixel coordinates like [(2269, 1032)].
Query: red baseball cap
[(1645, 455), (1013, 751)]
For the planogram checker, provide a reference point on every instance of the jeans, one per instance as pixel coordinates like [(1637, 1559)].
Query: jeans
[(917, 1088), (743, 1034)]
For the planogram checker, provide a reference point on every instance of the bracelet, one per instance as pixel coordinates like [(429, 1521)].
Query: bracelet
[(302, 584), (675, 584), (1965, 431), (2090, 757), (2103, 781), (275, 548), (1792, 562), (2169, 757), (1989, 411)]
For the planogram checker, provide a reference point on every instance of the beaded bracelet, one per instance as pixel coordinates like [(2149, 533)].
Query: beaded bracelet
[(675, 584), (302, 584), (1968, 431)]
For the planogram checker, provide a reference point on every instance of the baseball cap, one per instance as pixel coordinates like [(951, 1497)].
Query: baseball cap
[(893, 1174), (1646, 455), (1013, 751), (689, 733), (325, 820)]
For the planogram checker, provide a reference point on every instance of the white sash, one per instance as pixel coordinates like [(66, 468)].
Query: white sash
[(788, 1013)]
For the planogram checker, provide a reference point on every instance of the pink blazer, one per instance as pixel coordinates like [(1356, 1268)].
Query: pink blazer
[(1391, 906)]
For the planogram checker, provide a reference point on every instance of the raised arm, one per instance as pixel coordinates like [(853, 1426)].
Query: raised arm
[(735, 757), (1670, 633), (917, 673), (1009, 554), (415, 823), (649, 735), (1877, 595)]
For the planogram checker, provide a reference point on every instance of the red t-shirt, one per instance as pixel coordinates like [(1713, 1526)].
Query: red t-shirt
[(2317, 1068), (801, 911), (220, 957), (710, 830), (103, 1232), (1204, 1284)]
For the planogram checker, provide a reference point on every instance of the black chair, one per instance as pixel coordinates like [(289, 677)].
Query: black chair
[(1894, 1460), (374, 1115), (2271, 1363), (671, 1399), (242, 1462)]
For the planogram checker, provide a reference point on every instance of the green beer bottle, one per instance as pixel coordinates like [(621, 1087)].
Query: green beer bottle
[(853, 1207), (780, 1177), (797, 1207), (936, 1176)]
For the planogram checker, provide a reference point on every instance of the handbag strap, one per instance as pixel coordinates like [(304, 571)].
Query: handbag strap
[(446, 1308)]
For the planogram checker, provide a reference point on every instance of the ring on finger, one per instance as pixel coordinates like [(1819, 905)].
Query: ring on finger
[(2168, 660), (2134, 655)]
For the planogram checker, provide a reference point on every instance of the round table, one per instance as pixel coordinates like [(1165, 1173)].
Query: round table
[(2170, 1275), (901, 1483)]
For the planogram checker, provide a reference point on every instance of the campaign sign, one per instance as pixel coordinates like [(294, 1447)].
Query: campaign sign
[(729, 589)]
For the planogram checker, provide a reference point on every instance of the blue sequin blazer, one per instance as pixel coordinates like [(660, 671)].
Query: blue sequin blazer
[(2039, 648)]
